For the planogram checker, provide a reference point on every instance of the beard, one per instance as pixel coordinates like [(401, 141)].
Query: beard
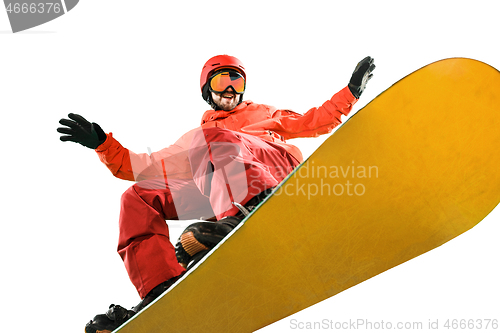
[(225, 104)]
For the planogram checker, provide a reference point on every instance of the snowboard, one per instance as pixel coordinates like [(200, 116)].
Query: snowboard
[(416, 167)]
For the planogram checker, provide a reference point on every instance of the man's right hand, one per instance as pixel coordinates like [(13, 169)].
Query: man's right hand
[(81, 131)]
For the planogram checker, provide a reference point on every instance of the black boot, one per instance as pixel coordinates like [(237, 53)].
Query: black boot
[(200, 237), (117, 315), (111, 320)]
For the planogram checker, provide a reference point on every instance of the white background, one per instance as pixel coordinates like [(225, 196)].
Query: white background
[(133, 67)]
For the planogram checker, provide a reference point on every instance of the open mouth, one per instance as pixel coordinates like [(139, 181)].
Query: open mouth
[(230, 96)]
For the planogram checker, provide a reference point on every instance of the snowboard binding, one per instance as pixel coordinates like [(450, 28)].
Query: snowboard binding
[(200, 237)]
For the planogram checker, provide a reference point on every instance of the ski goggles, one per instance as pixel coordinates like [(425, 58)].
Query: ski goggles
[(225, 79)]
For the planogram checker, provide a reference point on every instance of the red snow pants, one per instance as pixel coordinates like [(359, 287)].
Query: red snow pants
[(227, 167)]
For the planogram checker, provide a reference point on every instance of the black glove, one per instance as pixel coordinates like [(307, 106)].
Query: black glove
[(362, 73), (80, 130)]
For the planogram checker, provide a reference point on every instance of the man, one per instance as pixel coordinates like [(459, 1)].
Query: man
[(222, 169)]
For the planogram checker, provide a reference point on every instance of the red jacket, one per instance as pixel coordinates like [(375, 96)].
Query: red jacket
[(261, 120)]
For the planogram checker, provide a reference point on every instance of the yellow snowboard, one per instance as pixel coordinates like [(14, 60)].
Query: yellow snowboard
[(416, 167)]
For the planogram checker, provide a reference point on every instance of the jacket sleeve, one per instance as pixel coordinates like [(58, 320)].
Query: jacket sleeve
[(171, 162), (314, 122)]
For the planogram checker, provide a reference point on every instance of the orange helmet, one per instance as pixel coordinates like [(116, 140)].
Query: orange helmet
[(214, 64), (219, 62)]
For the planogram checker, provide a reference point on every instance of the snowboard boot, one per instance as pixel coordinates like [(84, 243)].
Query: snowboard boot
[(197, 240), (200, 237), (111, 320), (117, 315)]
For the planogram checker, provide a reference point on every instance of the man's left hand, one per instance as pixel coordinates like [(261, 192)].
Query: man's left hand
[(361, 75)]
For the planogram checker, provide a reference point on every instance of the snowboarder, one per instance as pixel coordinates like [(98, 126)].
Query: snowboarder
[(220, 170)]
